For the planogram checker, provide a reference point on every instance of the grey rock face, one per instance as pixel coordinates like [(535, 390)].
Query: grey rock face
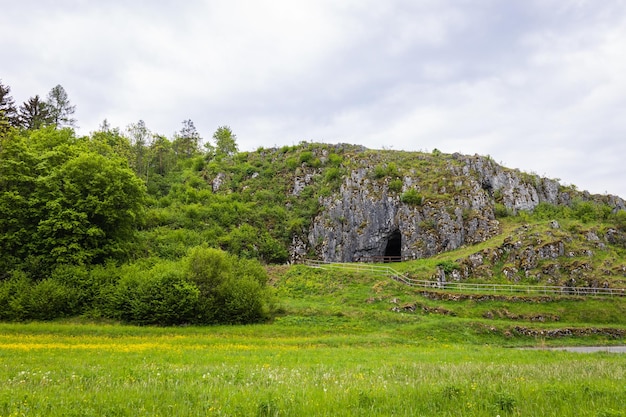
[(366, 218), (514, 189), (359, 222)]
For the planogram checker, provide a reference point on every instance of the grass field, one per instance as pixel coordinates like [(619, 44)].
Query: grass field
[(335, 349)]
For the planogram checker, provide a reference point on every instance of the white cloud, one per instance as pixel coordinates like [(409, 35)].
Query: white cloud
[(537, 85)]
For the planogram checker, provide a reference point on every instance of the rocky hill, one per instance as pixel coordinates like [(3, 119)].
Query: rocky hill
[(417, 205)]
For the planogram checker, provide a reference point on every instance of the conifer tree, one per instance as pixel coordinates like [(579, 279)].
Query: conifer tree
[(35, 114), (61, 110), (8, 111)]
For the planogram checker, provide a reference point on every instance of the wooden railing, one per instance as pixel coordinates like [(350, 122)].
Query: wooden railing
[(388, 272)]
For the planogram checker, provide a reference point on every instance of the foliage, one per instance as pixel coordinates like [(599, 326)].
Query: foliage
[(225, 141), (411, 197), (231, 290), (448, 266), (186, 142), (160, 295), (396, 185), (8, 111), (206, 287), (64, 203), (501, 211)]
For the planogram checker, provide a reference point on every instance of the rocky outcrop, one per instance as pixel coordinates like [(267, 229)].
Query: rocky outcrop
[(553, 257), (366, 216), (514, 189), (358, 222)]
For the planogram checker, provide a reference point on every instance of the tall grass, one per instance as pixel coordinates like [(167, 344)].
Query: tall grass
[(279, 370), (335, 349)]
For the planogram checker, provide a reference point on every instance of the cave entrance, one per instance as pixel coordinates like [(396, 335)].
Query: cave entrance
[(393, 251)]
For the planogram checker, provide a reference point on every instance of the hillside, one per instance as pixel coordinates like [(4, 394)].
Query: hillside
[(112, 227), (346, 203)]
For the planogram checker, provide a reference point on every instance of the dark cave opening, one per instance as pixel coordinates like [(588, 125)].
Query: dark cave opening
[(393, 251)]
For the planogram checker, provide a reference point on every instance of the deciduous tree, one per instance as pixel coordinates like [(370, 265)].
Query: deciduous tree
[(225, 141), (63, 203)]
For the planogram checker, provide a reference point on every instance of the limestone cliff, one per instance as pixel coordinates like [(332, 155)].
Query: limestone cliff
[(454, 203)]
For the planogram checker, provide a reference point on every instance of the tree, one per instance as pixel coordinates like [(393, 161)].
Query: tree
[(140, 137), (8, 111), (109, 141), (161, 154), (61, 110), (35, 114), (225, 141), (186, 141), (63, 203)]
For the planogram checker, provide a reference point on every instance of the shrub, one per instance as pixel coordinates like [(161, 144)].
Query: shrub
[(332, 174), (306, 157), (160, 295), (13, 297), (448, 266), (291, 162), (50, 299), (411, 197), (335, 160), (396, 185), (239, 301), (620, 220), (379, 172), (231, 289), (272, 251), (500, 211)]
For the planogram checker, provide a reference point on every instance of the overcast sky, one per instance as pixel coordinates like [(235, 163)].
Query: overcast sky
[(538, 85)]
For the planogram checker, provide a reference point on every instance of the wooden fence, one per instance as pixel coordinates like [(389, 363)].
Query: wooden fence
[(388, 272)]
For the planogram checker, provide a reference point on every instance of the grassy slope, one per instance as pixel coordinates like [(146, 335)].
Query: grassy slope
[(365, 304), (336, 349)]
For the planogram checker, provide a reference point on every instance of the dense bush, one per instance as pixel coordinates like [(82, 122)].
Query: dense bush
[(23, 299), (232, 290), (208, 286), (161, 295), (396, 185), (411, 197)]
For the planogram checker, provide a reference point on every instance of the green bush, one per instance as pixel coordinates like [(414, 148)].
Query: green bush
[(272, 251), (240, 301), (396, 185), (620, 220), (50, 299), (291, 162), (500, 211), (448, 266), (335, 160), (379, 172), (14, 293), (332, 174), (160, 295), (231, 290), (411, 197), (306, 157)]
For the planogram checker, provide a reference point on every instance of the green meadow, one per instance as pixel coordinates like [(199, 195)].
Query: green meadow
[(334, 348)]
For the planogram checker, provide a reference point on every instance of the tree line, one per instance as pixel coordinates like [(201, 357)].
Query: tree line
[(35, 113), (75, 232)]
